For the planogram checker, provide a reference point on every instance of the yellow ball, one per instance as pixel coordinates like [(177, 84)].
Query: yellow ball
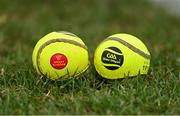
[(60, 55), (120, 56)]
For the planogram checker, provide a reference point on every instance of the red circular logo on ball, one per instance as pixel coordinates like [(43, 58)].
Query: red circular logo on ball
[(58, 61)]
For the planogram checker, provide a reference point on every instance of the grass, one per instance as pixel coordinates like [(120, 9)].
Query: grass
[(23, 22)]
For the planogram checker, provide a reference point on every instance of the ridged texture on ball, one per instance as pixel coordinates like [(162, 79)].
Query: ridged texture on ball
[(121, 56), (60, 55)]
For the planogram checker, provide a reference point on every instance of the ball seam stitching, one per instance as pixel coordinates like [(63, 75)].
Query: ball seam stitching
[(133, 48)]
